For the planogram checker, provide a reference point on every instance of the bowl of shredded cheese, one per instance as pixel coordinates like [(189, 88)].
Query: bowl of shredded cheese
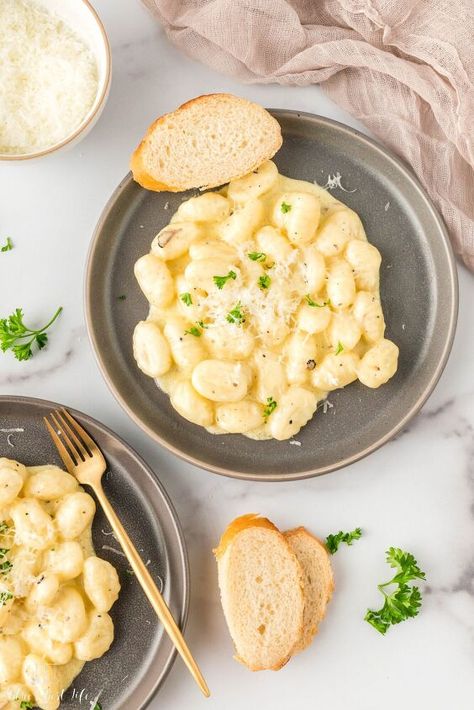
[(55, 71)]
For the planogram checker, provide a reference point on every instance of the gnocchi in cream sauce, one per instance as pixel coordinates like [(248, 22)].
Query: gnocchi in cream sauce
[(55, 593), (264, 297)]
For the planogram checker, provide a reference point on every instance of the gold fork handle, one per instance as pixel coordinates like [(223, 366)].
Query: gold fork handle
[(151, 590)]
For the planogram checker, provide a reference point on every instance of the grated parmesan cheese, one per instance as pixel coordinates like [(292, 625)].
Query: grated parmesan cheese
[(48, 78), (269, 311)]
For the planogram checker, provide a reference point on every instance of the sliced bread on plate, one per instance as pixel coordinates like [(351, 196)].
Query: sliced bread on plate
[(261, 585), (313, 557), (206, 142)]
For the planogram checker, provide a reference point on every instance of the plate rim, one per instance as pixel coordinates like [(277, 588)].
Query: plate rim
[(183, 553), (451, 273)]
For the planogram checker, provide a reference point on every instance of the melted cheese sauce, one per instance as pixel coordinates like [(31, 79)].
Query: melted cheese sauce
[(264, 297)]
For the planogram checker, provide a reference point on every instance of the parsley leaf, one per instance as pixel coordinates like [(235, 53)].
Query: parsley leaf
[(13, 331), (270, 408), (313, 304), (333, 541), (257, 256), (26, 705), (5, 597), (340, 348), (186, 299), (264, 281), (194, 330), (236, 315), (5, 567), (97, 706), (8, 246), (285, 207), (221, 281), (4, 527), (404, 602)]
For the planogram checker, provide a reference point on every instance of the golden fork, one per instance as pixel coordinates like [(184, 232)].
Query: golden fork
[(84, 460)]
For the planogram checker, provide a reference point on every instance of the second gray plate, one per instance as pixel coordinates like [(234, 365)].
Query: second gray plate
[(130, 673), (418, 288)]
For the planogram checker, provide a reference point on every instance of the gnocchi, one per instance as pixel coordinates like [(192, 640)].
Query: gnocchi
[(264, 297), (54, 592)]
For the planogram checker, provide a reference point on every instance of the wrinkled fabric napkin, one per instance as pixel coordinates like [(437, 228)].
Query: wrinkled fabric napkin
[(405, 68)]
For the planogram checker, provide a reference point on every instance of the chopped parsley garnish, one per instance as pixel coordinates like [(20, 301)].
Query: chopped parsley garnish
[(4, 528), (26, 705), (97, 706), (333, 541), (404, 601), (186, 299), (5, 567), (194, 330), (13, 331), (5, 597), (340, 348), (285, 207), (236, 315), (313, 304), (270, 407), (264, 281), (257, 256), (221, 281), (8, 246)]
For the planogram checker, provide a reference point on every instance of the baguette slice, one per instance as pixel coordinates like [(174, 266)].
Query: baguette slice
[(261, 584), (206, 142), (318, 580)]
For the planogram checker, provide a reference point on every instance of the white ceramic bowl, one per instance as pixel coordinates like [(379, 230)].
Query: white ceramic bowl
[(83, 19)]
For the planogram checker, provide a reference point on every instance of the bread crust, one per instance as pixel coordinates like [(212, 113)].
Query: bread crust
[(143, 177), (308, 637)]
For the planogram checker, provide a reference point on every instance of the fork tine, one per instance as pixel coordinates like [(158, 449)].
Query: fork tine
[(67, 429), (93, 448), (62, 451), (73, 449)]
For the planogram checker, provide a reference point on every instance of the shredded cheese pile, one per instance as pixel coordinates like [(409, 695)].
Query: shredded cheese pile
[(266, 311), (48, 78)]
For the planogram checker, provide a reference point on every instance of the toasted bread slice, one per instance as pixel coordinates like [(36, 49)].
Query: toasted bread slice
[(261, 584), (206, 142), (318, 579)]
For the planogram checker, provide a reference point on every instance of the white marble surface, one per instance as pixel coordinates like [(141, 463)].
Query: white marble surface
[(417, 492)]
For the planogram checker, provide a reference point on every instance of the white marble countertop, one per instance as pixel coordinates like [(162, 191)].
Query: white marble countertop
[(416, 492)]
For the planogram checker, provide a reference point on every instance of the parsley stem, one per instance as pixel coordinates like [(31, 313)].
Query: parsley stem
[(33, 333), (45, 327)]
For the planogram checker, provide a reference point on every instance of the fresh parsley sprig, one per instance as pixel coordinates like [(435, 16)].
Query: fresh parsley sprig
[(264, 281), (270, 407), (8, 246), (257, 256), (196, 330), (5, 597), (313, 304), (221, 281), (186, 298), (236, 315), (404, 602), (17, 337), (333, 541)]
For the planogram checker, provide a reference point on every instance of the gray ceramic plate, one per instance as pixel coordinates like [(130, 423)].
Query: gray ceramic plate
[(130, 673), (419, 294)]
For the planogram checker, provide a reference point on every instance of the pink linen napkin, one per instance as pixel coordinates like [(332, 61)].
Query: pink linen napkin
[(405, 68)]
